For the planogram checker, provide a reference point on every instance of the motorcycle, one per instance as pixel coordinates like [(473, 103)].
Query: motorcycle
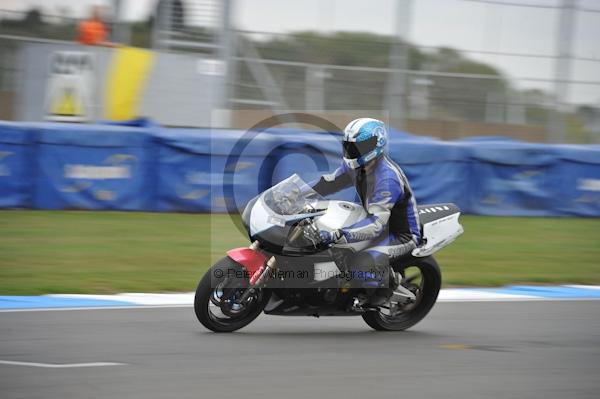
[(288, 271)]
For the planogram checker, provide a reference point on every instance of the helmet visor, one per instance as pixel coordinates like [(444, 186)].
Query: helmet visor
[(354, 150)]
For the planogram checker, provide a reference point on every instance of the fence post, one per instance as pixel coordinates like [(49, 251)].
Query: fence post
[(562, 69), (314, 99), (399, 62)]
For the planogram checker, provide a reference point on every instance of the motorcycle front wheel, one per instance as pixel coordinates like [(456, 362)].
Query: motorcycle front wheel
[(422, 276), (216, 303)]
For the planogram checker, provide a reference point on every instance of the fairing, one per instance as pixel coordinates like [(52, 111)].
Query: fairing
[(250, 259), (270, 216)]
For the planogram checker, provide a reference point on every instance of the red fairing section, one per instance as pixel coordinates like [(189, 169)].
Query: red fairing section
[(251, 260)]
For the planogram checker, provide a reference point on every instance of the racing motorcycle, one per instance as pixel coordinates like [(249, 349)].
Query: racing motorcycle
[(288, 271)]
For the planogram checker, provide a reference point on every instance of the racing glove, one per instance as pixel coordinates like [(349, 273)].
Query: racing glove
[(329, 237)]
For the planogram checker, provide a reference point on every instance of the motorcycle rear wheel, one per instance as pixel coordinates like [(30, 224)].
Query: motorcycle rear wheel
[(214, 303), (426, 287)]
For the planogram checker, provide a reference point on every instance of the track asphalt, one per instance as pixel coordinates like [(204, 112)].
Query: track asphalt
[(532, 349)]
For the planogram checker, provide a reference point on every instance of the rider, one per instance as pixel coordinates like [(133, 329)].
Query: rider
[(392, 222)]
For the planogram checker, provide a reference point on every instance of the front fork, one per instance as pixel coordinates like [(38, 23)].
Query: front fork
[(261, 276)]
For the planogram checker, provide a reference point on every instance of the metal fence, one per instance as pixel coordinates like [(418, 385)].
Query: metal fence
[(316, 72), (477, 101), (9, 78), (429, 94)]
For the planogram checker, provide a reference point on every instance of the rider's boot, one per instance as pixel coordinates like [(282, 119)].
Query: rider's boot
[(380, 288)]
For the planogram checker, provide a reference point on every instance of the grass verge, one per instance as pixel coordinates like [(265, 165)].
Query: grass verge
[(105, 252)]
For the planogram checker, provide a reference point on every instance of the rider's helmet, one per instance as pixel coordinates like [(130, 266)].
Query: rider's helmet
[(364, 140)]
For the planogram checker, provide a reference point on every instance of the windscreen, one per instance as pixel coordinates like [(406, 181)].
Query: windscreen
[(291, 196)]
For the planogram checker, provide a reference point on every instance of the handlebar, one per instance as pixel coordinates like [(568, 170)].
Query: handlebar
[(311, 233), (307, 229)]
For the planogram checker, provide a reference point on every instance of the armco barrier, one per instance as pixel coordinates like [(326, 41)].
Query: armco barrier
[(145, 167)]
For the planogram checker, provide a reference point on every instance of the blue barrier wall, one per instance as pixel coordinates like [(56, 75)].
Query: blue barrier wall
[(512, 178), (436, 170), (17, 172), (94, 167), (205, 172), (577, 176), (140, 166)]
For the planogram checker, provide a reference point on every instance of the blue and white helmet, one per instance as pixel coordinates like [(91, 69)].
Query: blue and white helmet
[(364, 140)]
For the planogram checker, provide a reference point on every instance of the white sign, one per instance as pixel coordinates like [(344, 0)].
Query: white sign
[(91, 172), (211, 67), (70, 84), (588, 184)]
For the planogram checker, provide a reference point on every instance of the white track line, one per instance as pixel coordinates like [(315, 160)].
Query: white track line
[(149, 299), (60, 366), (467, 295)]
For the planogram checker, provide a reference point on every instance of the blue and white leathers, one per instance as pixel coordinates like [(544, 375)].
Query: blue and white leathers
[(392, 224)]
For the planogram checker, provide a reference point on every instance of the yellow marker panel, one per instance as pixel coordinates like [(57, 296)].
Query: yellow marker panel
[(125, 83)]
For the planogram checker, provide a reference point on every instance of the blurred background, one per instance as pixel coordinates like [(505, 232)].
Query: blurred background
[(133, 132), (139, 106), (448, 69)]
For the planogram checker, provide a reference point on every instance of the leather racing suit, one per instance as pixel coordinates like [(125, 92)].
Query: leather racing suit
[(392, 222)]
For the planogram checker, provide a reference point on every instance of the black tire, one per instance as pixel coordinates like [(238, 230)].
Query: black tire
[(432, 282), (226, 271)]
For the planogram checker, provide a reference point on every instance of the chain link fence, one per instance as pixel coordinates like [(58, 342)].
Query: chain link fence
[(444, 93), (430, 98)]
